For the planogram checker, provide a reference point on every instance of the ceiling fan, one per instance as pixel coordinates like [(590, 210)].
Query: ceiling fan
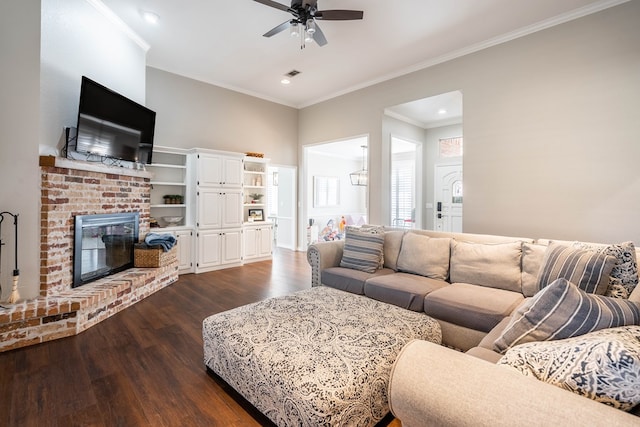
[(305, 13)]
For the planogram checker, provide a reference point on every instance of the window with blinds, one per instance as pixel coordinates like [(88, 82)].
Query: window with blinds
[(403, 198)]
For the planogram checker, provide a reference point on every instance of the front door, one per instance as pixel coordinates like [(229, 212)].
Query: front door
[(448, 198)]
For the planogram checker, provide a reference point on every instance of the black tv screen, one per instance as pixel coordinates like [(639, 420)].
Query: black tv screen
[(112, 125)]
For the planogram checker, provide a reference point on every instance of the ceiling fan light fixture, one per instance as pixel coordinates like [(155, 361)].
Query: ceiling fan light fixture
[(311, 26), (294, 30)]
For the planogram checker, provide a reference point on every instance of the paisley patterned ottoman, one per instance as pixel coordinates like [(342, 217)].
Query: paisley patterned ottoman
[(319, 357)]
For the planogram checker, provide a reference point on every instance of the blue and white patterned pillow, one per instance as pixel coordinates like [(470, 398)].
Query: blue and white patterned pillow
[(603, 365), (362, 250)]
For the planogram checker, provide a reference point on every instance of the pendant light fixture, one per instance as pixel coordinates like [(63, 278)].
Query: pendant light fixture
[(361, 177)]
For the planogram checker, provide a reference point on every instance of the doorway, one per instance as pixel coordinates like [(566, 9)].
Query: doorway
[(334, 188), (448, 198), (282, 192)]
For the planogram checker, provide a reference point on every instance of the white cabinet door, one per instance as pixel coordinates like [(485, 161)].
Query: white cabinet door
[(209, 208), (231, 208), (209, 248), (231, 246), (232, 172), (250, 242), (257, 242), (185, 251), (210, 169), (219, 171), (264, 240)]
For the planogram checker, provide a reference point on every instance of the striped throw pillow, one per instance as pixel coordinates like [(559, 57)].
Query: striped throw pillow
[(624, 276), (588, 270), (562, 310), (362, 250)]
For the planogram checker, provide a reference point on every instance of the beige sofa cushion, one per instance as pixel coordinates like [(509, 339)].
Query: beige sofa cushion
[(490, 265), (532, 257), (426, 256), (348, 279), (475, 307), (402, 289), (391, 249)]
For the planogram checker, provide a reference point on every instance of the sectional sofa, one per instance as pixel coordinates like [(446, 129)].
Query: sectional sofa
[(537, 310)]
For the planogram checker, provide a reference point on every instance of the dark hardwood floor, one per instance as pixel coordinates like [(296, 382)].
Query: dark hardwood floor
[(143, 366)]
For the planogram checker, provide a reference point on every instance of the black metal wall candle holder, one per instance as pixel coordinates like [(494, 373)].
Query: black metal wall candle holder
[(15, 295)]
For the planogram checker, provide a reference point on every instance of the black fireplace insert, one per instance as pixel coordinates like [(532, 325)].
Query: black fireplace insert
[(103, 245)]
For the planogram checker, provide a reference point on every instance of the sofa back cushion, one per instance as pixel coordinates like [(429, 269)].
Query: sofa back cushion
[(532, 257), (392, 245), (425, 256), (491, 265)]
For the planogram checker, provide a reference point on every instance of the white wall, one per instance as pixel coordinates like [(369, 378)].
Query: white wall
[(550, 129), (45, 48), (192, 114), (78, 40), (19, 173)]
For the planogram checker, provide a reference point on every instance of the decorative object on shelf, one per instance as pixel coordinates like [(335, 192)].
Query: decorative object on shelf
[(256, 215), (253, 154), (153, 223), (256, 197), (173, 199), (360, 177), (172, 220), (15, 295)]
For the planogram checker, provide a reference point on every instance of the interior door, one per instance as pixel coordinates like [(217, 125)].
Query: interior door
[(448, 198)]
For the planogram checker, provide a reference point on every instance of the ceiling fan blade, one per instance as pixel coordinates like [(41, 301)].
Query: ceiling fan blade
[(274, 4), (339, 15), (277, 29), (319, 37)]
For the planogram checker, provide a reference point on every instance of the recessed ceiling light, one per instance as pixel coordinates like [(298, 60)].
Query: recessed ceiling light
[(150, 17), (442, 111), (285, 81)]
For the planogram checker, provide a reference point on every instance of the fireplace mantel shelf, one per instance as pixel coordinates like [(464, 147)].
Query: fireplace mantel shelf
[(61, 162)]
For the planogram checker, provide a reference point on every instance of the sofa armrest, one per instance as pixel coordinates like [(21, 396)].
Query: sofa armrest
[(432, 385), (323, 255)]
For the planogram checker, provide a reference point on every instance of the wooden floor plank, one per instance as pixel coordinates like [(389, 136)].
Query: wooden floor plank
[(144, 366)]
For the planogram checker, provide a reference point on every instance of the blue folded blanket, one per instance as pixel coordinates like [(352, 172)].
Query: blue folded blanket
[(166, 241)]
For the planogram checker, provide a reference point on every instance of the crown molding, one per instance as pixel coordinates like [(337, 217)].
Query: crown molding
[(525, 31), (119, 23)]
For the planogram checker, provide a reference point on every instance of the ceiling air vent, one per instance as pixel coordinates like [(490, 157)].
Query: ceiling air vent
[(292, 73)]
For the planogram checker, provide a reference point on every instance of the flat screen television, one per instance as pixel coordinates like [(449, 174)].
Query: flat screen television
[(113, 126)]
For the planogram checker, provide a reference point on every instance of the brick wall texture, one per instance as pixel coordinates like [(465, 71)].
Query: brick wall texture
[(61, 311)]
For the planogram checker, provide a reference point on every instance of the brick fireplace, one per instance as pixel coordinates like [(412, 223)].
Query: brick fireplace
[(71, 188)]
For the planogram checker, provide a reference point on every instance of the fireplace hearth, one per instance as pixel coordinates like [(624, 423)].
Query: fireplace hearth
[(103, 245)]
